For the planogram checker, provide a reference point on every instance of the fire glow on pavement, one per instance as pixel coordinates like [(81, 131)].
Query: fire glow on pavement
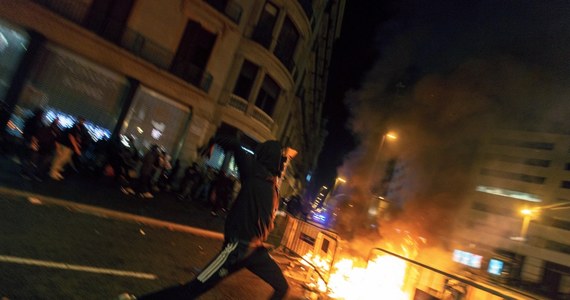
[(383, 275), (384, 272), (354, 278)]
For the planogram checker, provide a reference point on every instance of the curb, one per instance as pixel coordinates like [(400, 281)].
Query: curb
[(103, 212)]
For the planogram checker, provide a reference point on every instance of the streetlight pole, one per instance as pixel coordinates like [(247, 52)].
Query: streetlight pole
[(528, 214), (390, 136), (336, 184)]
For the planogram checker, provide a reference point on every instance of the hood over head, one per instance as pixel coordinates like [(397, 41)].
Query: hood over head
[(269, 154)]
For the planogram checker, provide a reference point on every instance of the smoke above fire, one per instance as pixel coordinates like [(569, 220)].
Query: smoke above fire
[(447, 75)]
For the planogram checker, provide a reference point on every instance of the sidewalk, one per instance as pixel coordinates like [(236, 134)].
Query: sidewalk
[(103, 192)]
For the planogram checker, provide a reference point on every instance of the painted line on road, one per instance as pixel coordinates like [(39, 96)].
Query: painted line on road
[(58, 265), (97, 211)]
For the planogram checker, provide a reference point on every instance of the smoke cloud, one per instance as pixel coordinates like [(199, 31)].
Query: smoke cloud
[(446, 76)]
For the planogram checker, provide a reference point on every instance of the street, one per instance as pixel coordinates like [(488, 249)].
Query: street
[(49, 251)]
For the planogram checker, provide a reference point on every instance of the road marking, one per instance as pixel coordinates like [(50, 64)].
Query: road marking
[(57, 265)]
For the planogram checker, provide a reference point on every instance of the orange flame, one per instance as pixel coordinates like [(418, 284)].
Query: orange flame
[(382, 276)]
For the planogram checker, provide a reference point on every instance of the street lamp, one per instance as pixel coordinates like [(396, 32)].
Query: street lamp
[(390, 136), (336, 184), (529, 213)]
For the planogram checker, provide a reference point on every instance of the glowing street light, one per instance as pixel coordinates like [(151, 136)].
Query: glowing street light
[(390, 135), (337, 182), (527, 215)]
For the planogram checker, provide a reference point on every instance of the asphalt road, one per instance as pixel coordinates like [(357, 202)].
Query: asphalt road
[(50, 251)]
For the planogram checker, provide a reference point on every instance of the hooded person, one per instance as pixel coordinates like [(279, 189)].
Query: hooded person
[(248, 224)]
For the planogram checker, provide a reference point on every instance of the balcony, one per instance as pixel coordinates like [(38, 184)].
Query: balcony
[(230, 9), (145, 48), (238, 103), (194, 75), (262, 117), (135, 42)]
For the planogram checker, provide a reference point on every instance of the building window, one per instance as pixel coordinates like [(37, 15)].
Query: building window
[(108, 18), (519, 160), (287, 43), (13, 44), (267, 97), (229, 8), (68, 85), (245, 80), (193, 54), (558, 247), (155, 119), (513, 176), (523, 144), (565, 184), (263, 33)]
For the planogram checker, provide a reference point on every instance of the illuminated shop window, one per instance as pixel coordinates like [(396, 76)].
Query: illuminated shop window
[(507, 193), (13, 46), (467, 258), (155, 119), (68, 86)]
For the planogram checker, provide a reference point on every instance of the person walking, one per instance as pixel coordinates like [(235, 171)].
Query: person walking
[(150, 163), (47, 137), (189, 182), (29, 156), (70, 143), (247, 226)]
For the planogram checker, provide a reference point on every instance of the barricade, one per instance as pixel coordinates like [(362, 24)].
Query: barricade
[(429, 283), (305, 239)]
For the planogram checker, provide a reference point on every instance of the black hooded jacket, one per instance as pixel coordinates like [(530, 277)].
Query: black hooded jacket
[(251, 217)]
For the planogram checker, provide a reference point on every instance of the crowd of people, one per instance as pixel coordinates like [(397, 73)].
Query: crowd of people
[(249, 212), (49, 151)]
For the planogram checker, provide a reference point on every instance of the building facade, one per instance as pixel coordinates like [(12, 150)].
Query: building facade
[(174, 72), (521, 172)]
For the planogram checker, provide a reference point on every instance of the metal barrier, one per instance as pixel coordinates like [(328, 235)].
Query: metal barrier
[(302, 238), (430, 283)]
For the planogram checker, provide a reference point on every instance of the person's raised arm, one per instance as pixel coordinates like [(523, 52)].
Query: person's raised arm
[(242, 158)]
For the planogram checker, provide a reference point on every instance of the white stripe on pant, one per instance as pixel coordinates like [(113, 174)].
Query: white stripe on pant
[(217, 263)]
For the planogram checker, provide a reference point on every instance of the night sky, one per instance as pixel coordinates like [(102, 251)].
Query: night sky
[(441, 72), (353, 55)]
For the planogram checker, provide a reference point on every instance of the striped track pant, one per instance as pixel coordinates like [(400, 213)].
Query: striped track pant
[(233, 257)]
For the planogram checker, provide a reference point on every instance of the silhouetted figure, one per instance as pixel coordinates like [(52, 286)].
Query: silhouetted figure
[(71, 142), (248, 225)]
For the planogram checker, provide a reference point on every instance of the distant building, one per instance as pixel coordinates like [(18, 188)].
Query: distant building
[(174, 72), (519, 170), (322, 195)]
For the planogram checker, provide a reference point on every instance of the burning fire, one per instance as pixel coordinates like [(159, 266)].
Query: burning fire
[(382, 276)]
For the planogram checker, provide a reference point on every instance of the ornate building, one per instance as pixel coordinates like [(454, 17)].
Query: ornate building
[(174, 72)]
